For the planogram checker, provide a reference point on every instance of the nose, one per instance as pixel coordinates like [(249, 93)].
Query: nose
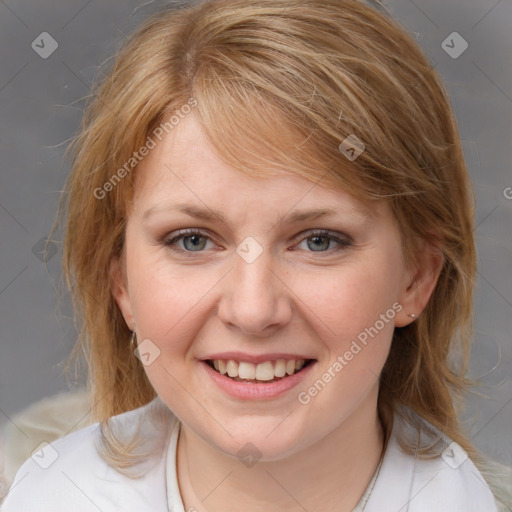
[(255, 298)]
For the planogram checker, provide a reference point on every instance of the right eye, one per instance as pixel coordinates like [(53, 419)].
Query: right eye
[(191, 241)]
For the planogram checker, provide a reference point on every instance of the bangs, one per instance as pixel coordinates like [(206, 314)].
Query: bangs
[(262, 127)]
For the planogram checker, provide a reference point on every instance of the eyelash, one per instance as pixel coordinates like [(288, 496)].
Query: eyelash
[(184, 233)]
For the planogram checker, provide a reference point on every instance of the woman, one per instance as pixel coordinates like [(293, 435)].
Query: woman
[(270, 241)]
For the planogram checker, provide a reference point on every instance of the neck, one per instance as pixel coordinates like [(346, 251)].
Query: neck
[(330, 475)]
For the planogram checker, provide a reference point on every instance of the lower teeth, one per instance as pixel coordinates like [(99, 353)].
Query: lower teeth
[(238, 379)]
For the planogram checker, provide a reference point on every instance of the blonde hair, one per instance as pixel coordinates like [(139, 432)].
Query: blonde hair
[(317, 71)]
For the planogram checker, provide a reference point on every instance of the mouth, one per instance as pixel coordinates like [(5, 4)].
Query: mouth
[(262, 373)]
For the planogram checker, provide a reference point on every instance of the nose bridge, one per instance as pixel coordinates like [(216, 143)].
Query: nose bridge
[(254, 277), (254, 299)]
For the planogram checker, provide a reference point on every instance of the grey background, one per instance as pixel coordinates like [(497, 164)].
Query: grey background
[(41, 103)]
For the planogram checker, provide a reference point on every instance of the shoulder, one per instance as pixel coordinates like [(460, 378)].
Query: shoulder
[(446, 482), (70, 474), (499, 478)]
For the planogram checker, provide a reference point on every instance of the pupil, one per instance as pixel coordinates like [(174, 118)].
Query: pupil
[(317, 243), (194, 242)]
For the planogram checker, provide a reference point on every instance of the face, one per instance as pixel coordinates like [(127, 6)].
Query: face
[(222, 266)]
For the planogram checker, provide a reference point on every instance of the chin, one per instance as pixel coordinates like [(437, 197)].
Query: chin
[(264, 444)]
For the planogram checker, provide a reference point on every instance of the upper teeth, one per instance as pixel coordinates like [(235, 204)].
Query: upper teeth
[(262, 371)]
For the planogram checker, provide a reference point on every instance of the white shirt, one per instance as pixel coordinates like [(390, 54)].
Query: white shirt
[(69, 475)]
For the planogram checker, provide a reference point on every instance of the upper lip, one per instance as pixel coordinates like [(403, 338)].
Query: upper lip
[(255, 359)]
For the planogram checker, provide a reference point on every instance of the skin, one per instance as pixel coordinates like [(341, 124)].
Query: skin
[(294, 298)]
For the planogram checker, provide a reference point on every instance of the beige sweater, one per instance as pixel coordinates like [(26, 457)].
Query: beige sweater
[(56, 416)]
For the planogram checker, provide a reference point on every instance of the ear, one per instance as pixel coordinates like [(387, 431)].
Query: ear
[(419, 283), (120, 293)]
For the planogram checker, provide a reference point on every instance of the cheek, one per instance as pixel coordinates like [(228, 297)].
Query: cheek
[(168, 311), (169, 301), (345, 302), (352, 315), (163, 302)]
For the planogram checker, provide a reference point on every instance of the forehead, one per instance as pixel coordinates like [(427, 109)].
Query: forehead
[(184, 169)]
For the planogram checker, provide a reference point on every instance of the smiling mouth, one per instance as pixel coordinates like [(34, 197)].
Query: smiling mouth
[(263, 373)]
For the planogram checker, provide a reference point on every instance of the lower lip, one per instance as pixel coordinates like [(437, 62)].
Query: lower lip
[(252, 391)]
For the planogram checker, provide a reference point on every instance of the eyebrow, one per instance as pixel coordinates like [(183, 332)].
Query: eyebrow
[(208, 214)]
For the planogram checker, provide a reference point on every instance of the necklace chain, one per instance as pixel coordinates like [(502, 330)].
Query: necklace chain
[(378, 472), (375, 478)]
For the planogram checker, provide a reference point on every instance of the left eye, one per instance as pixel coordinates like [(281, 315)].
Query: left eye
[(321, 242)]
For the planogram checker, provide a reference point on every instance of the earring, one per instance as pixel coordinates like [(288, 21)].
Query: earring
[(412, 315), (133, 340)]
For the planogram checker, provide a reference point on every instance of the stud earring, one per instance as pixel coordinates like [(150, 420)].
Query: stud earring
[(412, 315)]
